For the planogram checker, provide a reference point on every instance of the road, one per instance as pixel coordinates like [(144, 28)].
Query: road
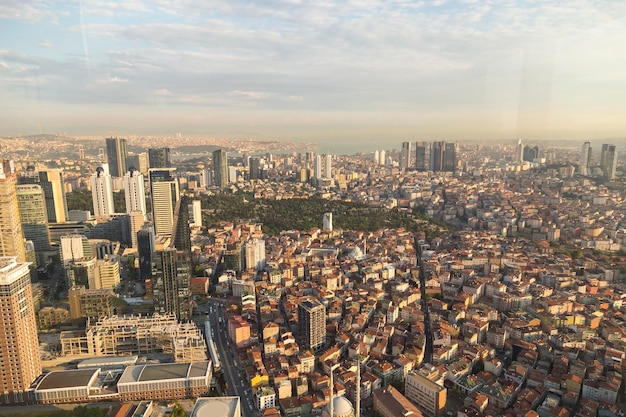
[(233, 372), (428, 351)]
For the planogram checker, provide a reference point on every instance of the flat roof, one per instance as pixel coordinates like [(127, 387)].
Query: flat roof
[(108, 361), (67, 379), (164, 371), (217, 407)]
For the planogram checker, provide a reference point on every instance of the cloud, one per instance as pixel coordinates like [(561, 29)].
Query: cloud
[(46, 44)]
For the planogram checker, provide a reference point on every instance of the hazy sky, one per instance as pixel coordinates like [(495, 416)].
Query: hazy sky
[(348, 70)]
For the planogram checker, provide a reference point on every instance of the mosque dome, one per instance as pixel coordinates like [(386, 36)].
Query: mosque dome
[(342, 407)]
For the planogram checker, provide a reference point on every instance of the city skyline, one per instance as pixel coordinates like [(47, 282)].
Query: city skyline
[(351, 71)]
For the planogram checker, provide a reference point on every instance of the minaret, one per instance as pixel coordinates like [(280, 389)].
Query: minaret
[(358, 387)]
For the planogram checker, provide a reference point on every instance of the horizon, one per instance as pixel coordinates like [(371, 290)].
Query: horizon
[(353, 72)]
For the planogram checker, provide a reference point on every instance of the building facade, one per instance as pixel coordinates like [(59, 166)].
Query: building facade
[(11, 236), (220, 168), (116, 156), (312, 324), (165, 193), (102, 193)]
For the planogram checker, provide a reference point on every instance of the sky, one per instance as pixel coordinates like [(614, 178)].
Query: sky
[(347, 71)]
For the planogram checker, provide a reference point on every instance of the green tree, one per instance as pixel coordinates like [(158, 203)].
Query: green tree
[(179, 411)]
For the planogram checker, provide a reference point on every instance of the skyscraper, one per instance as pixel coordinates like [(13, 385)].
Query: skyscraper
[(172, 287), (585, 157), (165, 194), (145, 248), (32, 207), (437, 151), (519, 151), (312, 324), (318, 167), (450, 157), (116, 156), (420, 156), (134, 191), (405, 156), (102, 193), (531, 153), (11, 236), (20, 362), (255, 168), (51, 182), (609, 160), (159, 158), (220, 168), (255, 254), (328, 166)]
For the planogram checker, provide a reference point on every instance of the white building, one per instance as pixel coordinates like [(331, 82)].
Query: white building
[(196, 213), (318, 167), (328, 168), (328, 222), (265, 398), (134, 192), (102, 193), (255, 254)]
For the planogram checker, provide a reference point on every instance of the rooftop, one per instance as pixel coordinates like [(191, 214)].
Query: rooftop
[(67, 379)]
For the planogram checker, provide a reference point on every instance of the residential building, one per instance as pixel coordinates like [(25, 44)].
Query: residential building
[(11, 236), (51, 182), (102, 193), (312, 324), (165, 193), (389, 402), (134, 191), (421, 387)]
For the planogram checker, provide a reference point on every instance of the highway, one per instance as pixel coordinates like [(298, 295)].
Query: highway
[(233, 372)]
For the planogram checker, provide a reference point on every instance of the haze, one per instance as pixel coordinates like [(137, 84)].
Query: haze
[(350, 71)]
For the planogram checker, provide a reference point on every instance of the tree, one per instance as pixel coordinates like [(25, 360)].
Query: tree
[(179, 411)]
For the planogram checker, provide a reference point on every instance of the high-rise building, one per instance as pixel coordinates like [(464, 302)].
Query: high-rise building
[(32, 207), (159, 158), (437, 151), (531, 153), (327, 222), (107, 274), (20, 363), (328, 166), (608, 161), (312, 324), (182, 233), (196, 213), (383, 158), (220, 168), (450, 157), (11, 236), (102, 193), (405, 156), (585, 158), (172, 289), (420, 156), (140, 162), (134, 191), (116, 156), (255, 168), (51, 182), (145, 248), (255, 254), (519, 152), (137, 220), (165, 194), (318, 167), (426, 389)]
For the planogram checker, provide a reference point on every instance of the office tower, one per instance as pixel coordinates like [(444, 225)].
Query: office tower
[(255, 254), (107, 274), (134, 191), (182, 233), (204, 178), (383, 158), (405, 156), (255, 168), (159, 158), (532, 153), (328, 222), (420, 156), (328, 167), (376, 156), (139, 162), (437, 151), (196, 213), (519, 151), (74, 247), (220, 168), (20, 362), (137, 220), (102, 193), (145, 248), (172, 289), (608, 161), (32, 207), (165, 194), (585, 158), (51, 182), (116, 156), (232, 174), (11, 236), (318, 167), (312, 324), (450, 157)]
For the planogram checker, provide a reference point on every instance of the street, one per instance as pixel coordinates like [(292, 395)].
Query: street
[(233, 373)]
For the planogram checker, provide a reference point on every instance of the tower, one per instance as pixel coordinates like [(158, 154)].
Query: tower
[(585, 157), (405, 156), (220, 168), (165, 194), (609, 160), (255, 168), (20, 362), (312, 324), (102, 193), (328, 222), (196, 213), (11, 236), (519, 151), (436, 156), (383, 158), (51, 182), (318, 167), (450, 157), (134, 191), (328, 168), (116, 156), (172, 293), (145, 248), (420, 156), (159, 158), (255, 254), (32, 207)]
